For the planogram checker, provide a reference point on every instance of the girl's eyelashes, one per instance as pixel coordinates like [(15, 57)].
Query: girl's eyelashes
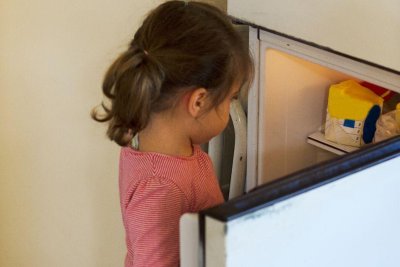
[(235, 97)]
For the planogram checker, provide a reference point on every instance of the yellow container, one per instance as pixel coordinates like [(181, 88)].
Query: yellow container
[(349, 105), (398, 114), (350, 100)]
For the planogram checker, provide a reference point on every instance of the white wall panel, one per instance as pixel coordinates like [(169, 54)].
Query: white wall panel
[(365, 29)]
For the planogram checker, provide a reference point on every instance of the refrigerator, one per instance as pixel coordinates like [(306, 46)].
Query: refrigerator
[(299, 200), (343, 212)]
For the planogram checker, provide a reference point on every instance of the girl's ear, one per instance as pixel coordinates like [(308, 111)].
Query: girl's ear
[(197, 102)]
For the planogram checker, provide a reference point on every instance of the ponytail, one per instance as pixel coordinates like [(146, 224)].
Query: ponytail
[(132, 83)]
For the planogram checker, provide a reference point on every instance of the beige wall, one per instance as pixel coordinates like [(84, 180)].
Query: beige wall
[(58, 173), (222, 4)]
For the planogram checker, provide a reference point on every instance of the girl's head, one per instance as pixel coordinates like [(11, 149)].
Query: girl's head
[(181, 46)]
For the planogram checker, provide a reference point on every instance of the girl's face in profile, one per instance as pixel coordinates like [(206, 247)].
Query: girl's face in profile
[(215, 120)]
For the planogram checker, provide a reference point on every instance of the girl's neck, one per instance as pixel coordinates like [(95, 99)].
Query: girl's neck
[(165, 134)]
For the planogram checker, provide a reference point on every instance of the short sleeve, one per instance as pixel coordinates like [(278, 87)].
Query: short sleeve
[(152, 221)]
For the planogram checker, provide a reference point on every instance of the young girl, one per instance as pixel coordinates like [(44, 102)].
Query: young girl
[(171, 90)]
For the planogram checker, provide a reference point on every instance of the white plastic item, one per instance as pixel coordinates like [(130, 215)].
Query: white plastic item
[(388, 125), (237, 184), (215, 151), (215, 147)]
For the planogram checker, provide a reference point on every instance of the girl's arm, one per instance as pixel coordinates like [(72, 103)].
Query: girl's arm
[(152, 219)]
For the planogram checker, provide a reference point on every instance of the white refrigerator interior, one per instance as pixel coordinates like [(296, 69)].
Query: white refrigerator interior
[(289, 102), (350, 221)]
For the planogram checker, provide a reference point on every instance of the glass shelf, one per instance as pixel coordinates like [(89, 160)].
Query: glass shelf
[(318, 139)]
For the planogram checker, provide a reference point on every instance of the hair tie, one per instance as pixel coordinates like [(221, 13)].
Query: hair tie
[(145, 52)]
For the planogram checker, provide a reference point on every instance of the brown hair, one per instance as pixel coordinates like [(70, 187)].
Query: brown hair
[(180, 46)]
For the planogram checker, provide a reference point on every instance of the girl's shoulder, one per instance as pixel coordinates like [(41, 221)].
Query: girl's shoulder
[(144, 165), (134, 154), (193, 176)]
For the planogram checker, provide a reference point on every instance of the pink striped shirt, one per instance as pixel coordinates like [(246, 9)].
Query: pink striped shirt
[(155, 190)]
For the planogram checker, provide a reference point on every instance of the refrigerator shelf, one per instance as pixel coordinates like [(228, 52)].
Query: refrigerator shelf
[(318, 139)]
